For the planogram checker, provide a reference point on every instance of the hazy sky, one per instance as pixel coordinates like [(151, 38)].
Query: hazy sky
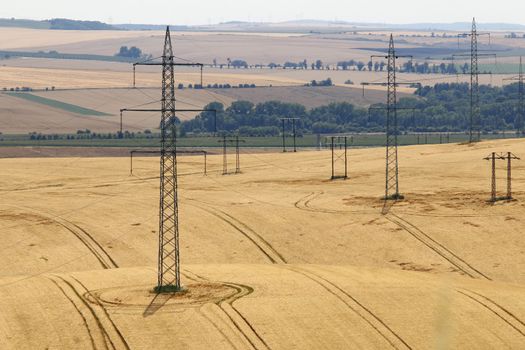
[(214, 11)]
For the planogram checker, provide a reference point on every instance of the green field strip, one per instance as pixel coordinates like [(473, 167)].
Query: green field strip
[(58, 104)]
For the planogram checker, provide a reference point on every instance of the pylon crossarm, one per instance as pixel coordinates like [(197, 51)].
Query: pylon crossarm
[(171, 64), (386, 84), (386, 57)]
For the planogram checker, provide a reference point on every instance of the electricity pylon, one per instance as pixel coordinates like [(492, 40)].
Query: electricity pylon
[(168, 279), (520, 117), (392, 164), (475, 110)]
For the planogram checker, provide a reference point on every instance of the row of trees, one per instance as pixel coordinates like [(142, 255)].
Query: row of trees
[(217, 86), (426, 68), (377, 66), (89, 135), (441, 108)]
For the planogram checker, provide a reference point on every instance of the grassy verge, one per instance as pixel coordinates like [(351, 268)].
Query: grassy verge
[(308, 141)]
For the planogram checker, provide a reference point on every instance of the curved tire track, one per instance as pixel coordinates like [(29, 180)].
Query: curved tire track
[(103, 257), (96, 249), (357, 307), (122, 341), (236, 318), (437, 247), (502, 313), (90, 317), (305, 204), (262, 244), (79, 311)]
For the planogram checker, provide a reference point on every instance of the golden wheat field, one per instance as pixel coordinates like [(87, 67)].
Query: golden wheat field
[(277, 257)]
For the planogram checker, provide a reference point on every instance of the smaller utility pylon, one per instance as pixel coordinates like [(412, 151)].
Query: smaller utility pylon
[(501, 156), (339, 147), (285, 121), (232, 141)]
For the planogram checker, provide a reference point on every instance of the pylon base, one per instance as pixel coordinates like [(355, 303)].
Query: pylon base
[(168, 289), (394, 197)]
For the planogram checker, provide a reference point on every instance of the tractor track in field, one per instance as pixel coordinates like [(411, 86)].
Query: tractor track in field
[(435, 246), (77, 308), (96, 249), (262, 244), (108, 338), (501, 312), (217, 328), (242, 325), (124, 344), (387, 333), (305, 203)]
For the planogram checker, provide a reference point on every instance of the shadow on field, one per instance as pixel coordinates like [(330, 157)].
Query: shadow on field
[(387, 206), (158, 301)]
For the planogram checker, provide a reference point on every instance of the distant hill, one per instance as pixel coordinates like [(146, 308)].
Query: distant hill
[(300, 26), (150, 27), (56, 23), (69, 24), (456, 26), (24, 23)]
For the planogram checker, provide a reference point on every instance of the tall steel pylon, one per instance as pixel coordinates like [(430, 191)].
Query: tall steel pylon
[(392, 164), (474, 55), (168, 279), (169, 258), (520, 117), (475, 113)]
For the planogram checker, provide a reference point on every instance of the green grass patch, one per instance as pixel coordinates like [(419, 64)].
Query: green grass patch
[(171, 289), (58, 104)]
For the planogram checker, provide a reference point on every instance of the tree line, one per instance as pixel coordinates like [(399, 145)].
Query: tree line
[(440, 108), (351, 64)]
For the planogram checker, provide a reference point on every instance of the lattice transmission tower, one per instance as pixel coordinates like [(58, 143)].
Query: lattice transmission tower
[(168, 279), (169, 258), (475, 113), (392, 164), (475, 110), (520, 115)]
